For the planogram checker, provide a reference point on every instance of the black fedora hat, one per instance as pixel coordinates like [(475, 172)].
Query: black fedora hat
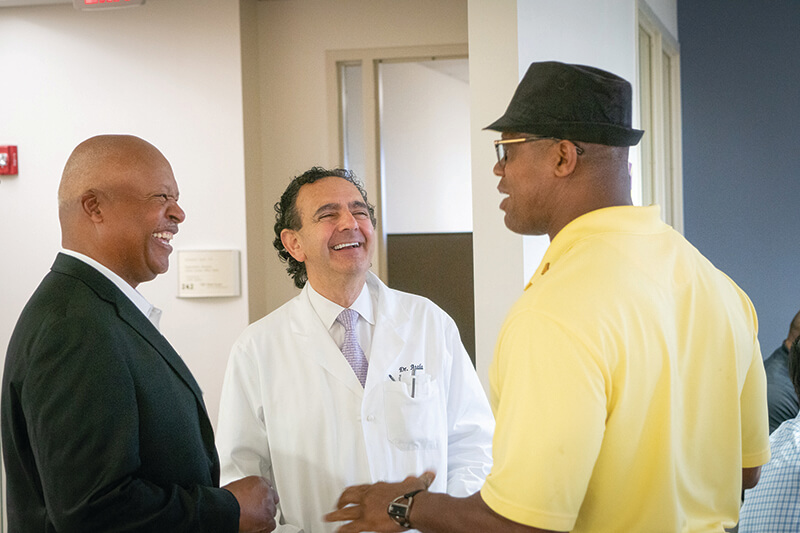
[(572, 102)]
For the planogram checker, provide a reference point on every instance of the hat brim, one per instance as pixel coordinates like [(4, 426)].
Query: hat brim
[(598, 133)]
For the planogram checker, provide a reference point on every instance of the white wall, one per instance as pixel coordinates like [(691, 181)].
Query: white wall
[(294, 37), (168, 72), (425, 147), (497, 252)]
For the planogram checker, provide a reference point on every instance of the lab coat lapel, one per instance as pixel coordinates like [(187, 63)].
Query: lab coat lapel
[(314, 340), (387, 340)]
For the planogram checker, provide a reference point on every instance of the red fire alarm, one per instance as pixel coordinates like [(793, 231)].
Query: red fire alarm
[(8, 160)]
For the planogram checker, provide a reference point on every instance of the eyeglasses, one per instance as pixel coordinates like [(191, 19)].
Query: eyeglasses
[(502, 151)]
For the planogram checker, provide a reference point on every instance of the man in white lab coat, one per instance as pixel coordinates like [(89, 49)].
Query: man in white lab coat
[(294, 408)]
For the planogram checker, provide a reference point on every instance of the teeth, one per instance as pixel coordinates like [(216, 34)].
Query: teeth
[(166, 235), (346, 245)]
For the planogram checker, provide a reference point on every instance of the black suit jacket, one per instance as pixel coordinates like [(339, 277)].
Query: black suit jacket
[(104, 427)]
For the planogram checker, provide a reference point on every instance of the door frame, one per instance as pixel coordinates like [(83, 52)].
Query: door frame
[(369, 59)]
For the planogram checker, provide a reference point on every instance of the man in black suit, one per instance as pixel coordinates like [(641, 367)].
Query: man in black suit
[(103, 426)]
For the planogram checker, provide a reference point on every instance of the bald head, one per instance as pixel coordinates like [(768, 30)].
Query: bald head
[(103, 162), (118, 204)]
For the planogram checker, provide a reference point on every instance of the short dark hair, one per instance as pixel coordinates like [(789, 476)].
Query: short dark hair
[(287, 217), (794, 329), (794, 365)]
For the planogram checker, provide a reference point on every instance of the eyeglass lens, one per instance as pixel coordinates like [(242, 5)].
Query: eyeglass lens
[(500, 149)]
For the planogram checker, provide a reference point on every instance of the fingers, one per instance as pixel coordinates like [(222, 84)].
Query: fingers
[(363, 507), (352, 512), (352, 494), (427, 478), (270, 527)]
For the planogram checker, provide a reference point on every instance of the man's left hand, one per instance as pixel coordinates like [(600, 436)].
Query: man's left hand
[(365, 506)]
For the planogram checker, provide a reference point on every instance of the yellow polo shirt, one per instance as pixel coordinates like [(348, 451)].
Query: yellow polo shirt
[(627, 385)]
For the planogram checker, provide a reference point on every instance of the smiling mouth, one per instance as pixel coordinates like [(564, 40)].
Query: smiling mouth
[(164, 236), (347, 245)]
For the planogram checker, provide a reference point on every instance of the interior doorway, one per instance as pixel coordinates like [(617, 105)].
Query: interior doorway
[(403, 128)]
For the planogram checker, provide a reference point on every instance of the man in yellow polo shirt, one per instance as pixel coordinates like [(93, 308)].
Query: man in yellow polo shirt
[(627, 381)]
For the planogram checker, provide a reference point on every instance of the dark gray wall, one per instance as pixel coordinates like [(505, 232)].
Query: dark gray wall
[(740, 85)]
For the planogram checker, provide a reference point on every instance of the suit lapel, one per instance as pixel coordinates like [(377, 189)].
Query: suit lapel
[(129, 313)]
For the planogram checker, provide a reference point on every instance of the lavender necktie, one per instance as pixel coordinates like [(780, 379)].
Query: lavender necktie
[(351, 349)]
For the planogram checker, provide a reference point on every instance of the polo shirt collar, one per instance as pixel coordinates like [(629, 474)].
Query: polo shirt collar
[(623, 218)]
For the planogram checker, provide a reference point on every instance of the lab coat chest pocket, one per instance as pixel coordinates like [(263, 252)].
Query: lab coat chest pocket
[(414, 423)]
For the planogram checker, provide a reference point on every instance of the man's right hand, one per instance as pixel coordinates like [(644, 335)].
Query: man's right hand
[(257, 503)]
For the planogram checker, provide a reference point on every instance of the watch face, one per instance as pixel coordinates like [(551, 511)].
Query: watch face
[(398, 512), (398, 509)]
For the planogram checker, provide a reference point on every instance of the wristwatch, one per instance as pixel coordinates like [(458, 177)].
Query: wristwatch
[(399, 511)]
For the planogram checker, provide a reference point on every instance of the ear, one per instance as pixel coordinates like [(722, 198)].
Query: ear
[(567, 159), (90, 204), (292, 244)]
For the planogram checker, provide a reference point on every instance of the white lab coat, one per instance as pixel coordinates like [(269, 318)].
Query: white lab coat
[(293, 410)]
